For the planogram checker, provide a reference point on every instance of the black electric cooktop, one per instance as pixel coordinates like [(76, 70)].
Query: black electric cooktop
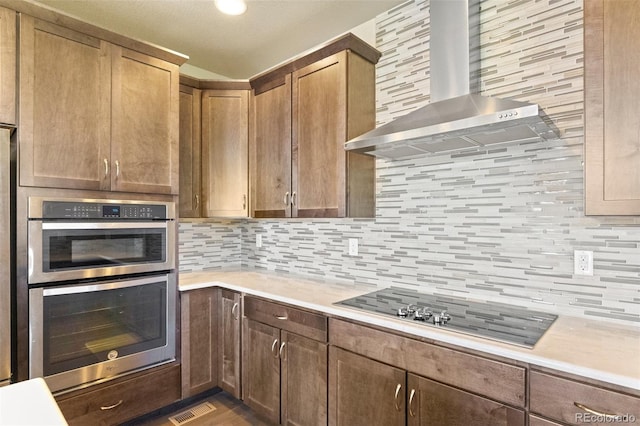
[(496, 321)]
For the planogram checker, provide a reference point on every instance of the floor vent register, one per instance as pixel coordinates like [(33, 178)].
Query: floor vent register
[(192, 413)]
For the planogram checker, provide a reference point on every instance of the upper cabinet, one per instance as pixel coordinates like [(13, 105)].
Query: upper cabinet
[(7, 67), (303, 113), (271, 151), (95, 115), (190, 139), (612, 142), (214, 148), (225, 153)]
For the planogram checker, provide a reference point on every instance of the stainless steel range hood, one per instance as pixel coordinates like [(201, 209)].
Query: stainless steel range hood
[(456, 118)]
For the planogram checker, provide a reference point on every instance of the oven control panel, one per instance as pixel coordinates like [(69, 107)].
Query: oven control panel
[(90, 210)]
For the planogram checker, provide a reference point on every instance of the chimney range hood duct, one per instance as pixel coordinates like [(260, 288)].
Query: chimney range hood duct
[(456, 118)]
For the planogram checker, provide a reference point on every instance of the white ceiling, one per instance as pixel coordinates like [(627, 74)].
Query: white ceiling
[(270, 32)]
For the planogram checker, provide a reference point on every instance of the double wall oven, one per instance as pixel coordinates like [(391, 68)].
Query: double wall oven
[(102, 288)]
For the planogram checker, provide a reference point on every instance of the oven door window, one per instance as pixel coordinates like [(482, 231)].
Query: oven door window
[(70, 249), (84, 328)]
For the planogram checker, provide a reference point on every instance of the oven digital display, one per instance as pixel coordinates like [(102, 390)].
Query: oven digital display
[(110, 211)]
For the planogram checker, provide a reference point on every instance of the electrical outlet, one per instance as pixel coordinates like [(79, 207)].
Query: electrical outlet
[(583, 262), (353, 246), (258, 240)]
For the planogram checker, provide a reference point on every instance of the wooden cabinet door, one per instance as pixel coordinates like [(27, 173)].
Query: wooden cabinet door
[(431, 402), (7, 66), (612, 145), (225, 153), (65, 81), (145, 123), (364, 392), (318, 137), (229, 342), (261, 368), (271, 151), (190, 134), (303, 381), (199, 340)]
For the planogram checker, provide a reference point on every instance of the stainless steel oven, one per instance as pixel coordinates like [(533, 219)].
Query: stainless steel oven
[(71, 239), (84, 332), (102, 288)]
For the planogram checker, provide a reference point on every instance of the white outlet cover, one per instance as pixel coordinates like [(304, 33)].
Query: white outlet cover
[(353, 246), (583, 262)]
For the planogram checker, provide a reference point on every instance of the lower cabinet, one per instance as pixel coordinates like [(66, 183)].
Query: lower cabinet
[(230, 306), (364, 392), (574, 403), (284, 374), (199, 326), (116, 403), (367, 392), (431, 402)]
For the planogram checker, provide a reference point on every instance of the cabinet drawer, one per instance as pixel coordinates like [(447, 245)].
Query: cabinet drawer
[(131, 398), (556, 398), (287, 318), (493, 379)]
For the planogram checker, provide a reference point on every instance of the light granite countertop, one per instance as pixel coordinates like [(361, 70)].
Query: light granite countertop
[(592, 349)]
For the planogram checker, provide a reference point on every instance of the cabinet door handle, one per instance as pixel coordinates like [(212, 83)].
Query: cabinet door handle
[(283, 357), (280, 317), (244, 201), (197, 201), (106, 167), (117, 168), (413, 393), (111, 407), (234, 314), (286, 198), (396, 401), (607, 416), (273, 348), (293, 199)]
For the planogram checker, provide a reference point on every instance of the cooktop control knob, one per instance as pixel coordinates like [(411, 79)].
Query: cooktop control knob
[(441, 318), (411, 309), (402, 312), (419, 315)]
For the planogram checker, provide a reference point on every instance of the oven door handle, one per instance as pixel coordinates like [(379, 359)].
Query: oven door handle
[(46, 226), (111, 285)]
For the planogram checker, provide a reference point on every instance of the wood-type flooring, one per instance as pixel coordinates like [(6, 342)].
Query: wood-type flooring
[(228, 412)]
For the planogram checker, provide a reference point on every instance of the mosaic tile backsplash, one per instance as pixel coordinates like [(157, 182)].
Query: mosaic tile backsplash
[(497, 224)]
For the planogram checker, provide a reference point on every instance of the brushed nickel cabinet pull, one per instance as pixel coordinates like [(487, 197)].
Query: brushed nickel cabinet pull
[(244, 201), (106, 167), (282, 345), (234, 314), (280, 317), (197, 201), (607, 416), (293, 199), (286, 198), (117, 168), (397, 405), (111, 407), (413, 393), (273, 348)]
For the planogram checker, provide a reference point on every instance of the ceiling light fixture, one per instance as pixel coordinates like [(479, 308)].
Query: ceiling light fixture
[(231, 7)]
